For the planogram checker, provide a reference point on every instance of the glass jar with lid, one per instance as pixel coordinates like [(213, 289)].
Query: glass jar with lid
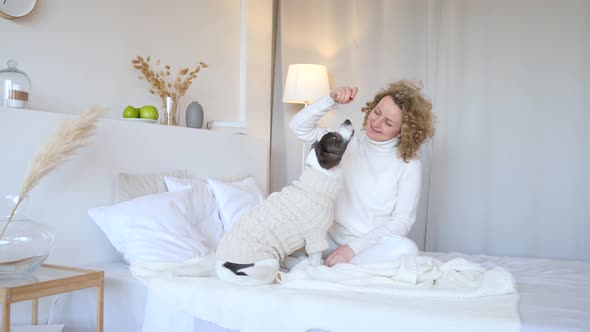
[(15, 86)]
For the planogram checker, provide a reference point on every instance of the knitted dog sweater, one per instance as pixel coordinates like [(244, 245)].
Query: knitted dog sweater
[(298, 216)]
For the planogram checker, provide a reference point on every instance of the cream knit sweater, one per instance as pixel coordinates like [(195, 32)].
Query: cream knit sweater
[(298, 216)]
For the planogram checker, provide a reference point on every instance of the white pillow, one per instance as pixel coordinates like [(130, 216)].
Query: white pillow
[(206, 213), (235, 198), (157, 227)]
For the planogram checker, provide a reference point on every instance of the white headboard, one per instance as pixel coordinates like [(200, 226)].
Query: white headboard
[(88, 179)]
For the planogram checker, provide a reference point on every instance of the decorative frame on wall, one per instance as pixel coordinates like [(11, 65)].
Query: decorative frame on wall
[(12, 9)]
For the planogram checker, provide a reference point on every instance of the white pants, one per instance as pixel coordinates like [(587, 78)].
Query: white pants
[(387, 249)]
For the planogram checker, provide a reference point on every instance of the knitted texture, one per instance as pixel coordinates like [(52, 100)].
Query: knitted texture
[(298, 216)]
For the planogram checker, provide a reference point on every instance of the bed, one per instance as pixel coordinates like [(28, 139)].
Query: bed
[(554, 295)]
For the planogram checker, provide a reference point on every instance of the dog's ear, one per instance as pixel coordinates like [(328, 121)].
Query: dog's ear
[(313, 146), (325, 158)]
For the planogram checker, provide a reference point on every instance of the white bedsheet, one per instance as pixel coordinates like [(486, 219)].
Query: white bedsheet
[(555, 296)]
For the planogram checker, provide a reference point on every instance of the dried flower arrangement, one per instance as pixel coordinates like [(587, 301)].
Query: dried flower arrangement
[(71, 135), (163, 85)]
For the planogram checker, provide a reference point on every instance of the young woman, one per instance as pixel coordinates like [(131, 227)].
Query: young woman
[(377, 207)]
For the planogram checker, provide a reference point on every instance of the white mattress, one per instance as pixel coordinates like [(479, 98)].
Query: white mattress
[(555, 296), (128, 307)]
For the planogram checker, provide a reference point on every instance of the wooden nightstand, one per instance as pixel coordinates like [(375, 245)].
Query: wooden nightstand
[(50, 280)]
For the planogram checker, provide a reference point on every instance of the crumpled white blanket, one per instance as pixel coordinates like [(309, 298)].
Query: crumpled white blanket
[(414, 294), (410, 276)]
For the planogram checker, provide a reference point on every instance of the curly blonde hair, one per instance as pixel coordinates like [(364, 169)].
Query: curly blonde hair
[(417, 117)]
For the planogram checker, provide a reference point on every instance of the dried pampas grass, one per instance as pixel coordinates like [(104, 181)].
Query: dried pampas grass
[(161, 82), (71, 135)]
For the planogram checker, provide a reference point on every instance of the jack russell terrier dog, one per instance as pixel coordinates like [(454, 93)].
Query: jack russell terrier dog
[(297, 217)]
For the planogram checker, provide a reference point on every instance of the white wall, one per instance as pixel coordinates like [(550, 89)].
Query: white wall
[(78, 53), (363, 43)]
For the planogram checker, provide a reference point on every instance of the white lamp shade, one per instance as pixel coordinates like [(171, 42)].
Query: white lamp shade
[(306, 83)]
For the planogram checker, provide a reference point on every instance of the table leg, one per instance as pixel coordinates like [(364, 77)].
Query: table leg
[(6, 314), (35, 311), (100, 305)]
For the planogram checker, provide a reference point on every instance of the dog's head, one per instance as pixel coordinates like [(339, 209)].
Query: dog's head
[(330, 148)]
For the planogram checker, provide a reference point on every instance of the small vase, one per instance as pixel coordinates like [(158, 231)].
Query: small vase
[(194, 115), (24, 244), (170, 117)]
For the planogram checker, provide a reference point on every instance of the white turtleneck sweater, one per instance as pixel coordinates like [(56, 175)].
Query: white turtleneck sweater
[(381, 191)]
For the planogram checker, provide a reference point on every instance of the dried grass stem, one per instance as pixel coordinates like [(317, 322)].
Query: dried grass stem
[(71, 135)]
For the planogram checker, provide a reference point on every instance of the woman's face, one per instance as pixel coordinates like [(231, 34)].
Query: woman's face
[(385, 120)]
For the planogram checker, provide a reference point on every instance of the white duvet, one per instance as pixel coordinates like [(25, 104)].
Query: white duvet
[(413, 294)]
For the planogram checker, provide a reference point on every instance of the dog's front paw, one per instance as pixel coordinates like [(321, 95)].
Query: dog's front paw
[(315, 259), (290, 261)]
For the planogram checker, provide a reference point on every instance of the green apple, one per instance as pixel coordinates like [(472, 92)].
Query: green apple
[(131, 112), (148, 112)]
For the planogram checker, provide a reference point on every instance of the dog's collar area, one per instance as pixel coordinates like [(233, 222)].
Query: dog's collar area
[(317, 182)]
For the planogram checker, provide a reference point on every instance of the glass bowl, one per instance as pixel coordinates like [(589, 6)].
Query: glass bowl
[(24, 244)]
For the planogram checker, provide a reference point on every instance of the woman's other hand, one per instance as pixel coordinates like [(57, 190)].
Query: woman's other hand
[(342, 254), (343, 94)]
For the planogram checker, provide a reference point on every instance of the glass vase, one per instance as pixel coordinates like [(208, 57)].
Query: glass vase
[(170, 117), (24, 243)]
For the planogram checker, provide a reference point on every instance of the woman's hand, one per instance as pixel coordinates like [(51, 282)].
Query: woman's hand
[(342, 254), (343, 94)]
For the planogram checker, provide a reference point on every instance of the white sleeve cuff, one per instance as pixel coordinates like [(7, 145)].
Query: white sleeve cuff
[(359, 244), (324, 102)]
